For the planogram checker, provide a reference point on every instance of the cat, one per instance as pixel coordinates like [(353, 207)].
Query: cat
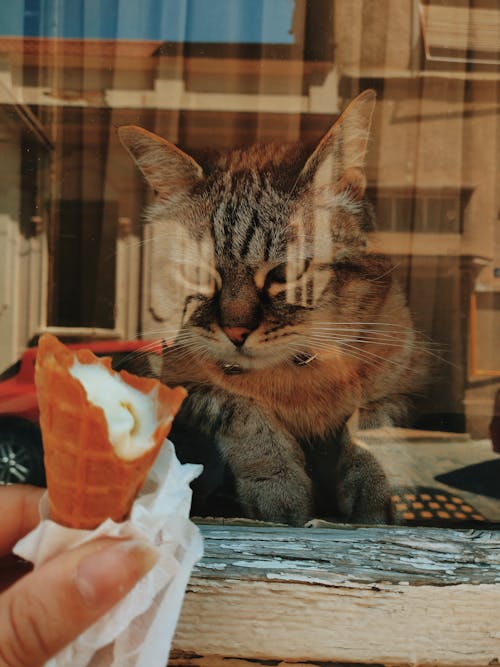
[(289, 324)]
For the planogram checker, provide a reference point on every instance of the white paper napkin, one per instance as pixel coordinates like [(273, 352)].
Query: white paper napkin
[(138, 631)]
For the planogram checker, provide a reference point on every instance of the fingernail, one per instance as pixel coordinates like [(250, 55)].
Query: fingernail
[(105, 576)]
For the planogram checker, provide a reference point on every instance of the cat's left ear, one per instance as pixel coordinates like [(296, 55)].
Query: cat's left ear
[(166, 168), (339, 158)]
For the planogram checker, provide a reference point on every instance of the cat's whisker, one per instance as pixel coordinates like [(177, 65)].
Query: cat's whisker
[(405, 335), (183, 341), (162, 332), (380, 338), (360, 337), (343, 344), (383, 338), (369, 340), (354, 351), (159, 330), (372, 340), (386, 273), (380, 335), (352, 354), (361, 355), (367, 355), (187, 348), (372, 327), (309, 344), (140, 353), (364, 323), (178, 337), (362, 326), (415, 345), (359, 331), (195, 349)]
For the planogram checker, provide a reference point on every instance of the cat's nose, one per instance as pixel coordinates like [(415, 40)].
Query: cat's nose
[(237, 335)]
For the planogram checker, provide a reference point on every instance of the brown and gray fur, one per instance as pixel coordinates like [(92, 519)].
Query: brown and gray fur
[(290, 326)]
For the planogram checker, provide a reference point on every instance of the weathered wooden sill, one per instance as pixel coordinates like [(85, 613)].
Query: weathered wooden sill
[(384, 595)]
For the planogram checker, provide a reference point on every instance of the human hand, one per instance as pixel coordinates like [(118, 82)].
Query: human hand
[(45, 610)]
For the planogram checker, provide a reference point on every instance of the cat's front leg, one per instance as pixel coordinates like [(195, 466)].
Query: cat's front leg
[(228, 433), (268, 465), (363, 489), (266, 462)]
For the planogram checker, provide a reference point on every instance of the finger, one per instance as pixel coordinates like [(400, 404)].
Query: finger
[(20, 514), (51, 606)]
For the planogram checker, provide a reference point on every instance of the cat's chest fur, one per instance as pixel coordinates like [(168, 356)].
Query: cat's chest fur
[(308, 401)]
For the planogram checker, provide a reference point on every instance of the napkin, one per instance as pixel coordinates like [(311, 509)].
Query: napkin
[(138, 631)]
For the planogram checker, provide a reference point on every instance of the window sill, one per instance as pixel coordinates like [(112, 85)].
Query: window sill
[(385, 595)]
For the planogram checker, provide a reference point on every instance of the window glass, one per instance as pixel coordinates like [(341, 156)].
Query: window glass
[(79, 256)]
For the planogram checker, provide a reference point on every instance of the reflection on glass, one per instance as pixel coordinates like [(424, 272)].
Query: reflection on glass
[(77, 255)]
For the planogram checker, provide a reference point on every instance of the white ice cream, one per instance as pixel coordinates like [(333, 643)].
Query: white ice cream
[(130, 414)]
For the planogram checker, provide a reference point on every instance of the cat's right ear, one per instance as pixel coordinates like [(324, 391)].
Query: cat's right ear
[(166, 168), (339, 159)]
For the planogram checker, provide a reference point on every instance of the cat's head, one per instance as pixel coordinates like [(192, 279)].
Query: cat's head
[(264, 249)]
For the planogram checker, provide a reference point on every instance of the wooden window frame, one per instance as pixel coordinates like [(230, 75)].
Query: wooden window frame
[(476, 372), (455, 32), (364, 595)]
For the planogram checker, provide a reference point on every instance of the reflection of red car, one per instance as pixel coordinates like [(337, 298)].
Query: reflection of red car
[(21, 455)]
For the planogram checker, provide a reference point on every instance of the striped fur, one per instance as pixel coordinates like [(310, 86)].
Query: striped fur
[(272, 243)]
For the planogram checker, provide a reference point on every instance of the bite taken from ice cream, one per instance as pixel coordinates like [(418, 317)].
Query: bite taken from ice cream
[(101, 432)]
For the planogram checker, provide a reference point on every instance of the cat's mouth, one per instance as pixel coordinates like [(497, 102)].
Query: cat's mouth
[(239, 361), (252, 355), (233, 368)]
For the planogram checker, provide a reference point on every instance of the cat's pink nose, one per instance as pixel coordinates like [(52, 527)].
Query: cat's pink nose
[(236, 335)]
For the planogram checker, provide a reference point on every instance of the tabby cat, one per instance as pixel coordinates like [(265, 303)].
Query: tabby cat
[(289, 325)]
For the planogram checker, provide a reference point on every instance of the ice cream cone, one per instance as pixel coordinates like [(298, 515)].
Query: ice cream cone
[(87, 480)]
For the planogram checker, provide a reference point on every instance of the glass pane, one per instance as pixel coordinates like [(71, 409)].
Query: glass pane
[(271, 274)]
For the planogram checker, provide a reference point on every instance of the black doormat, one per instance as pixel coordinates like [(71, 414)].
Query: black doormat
[(431, 506)]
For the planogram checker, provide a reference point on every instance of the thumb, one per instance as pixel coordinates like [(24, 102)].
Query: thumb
[(45, 610)]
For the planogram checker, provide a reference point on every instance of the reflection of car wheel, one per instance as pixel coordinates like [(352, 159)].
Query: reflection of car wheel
[(21, 453)]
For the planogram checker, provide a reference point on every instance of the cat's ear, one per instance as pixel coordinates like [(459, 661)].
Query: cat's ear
[(166, 168), (339, 158)]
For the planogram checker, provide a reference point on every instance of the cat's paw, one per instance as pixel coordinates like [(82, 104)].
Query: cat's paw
[(363, 492), (281, 496)]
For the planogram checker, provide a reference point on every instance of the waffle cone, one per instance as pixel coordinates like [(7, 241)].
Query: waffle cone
[(87, 482)]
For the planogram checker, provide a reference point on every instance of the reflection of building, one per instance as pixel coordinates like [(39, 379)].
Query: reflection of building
[(72, 255)]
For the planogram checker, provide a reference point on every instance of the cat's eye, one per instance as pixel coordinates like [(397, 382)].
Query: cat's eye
[(345, 265), (287, 272), (277, 274)]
